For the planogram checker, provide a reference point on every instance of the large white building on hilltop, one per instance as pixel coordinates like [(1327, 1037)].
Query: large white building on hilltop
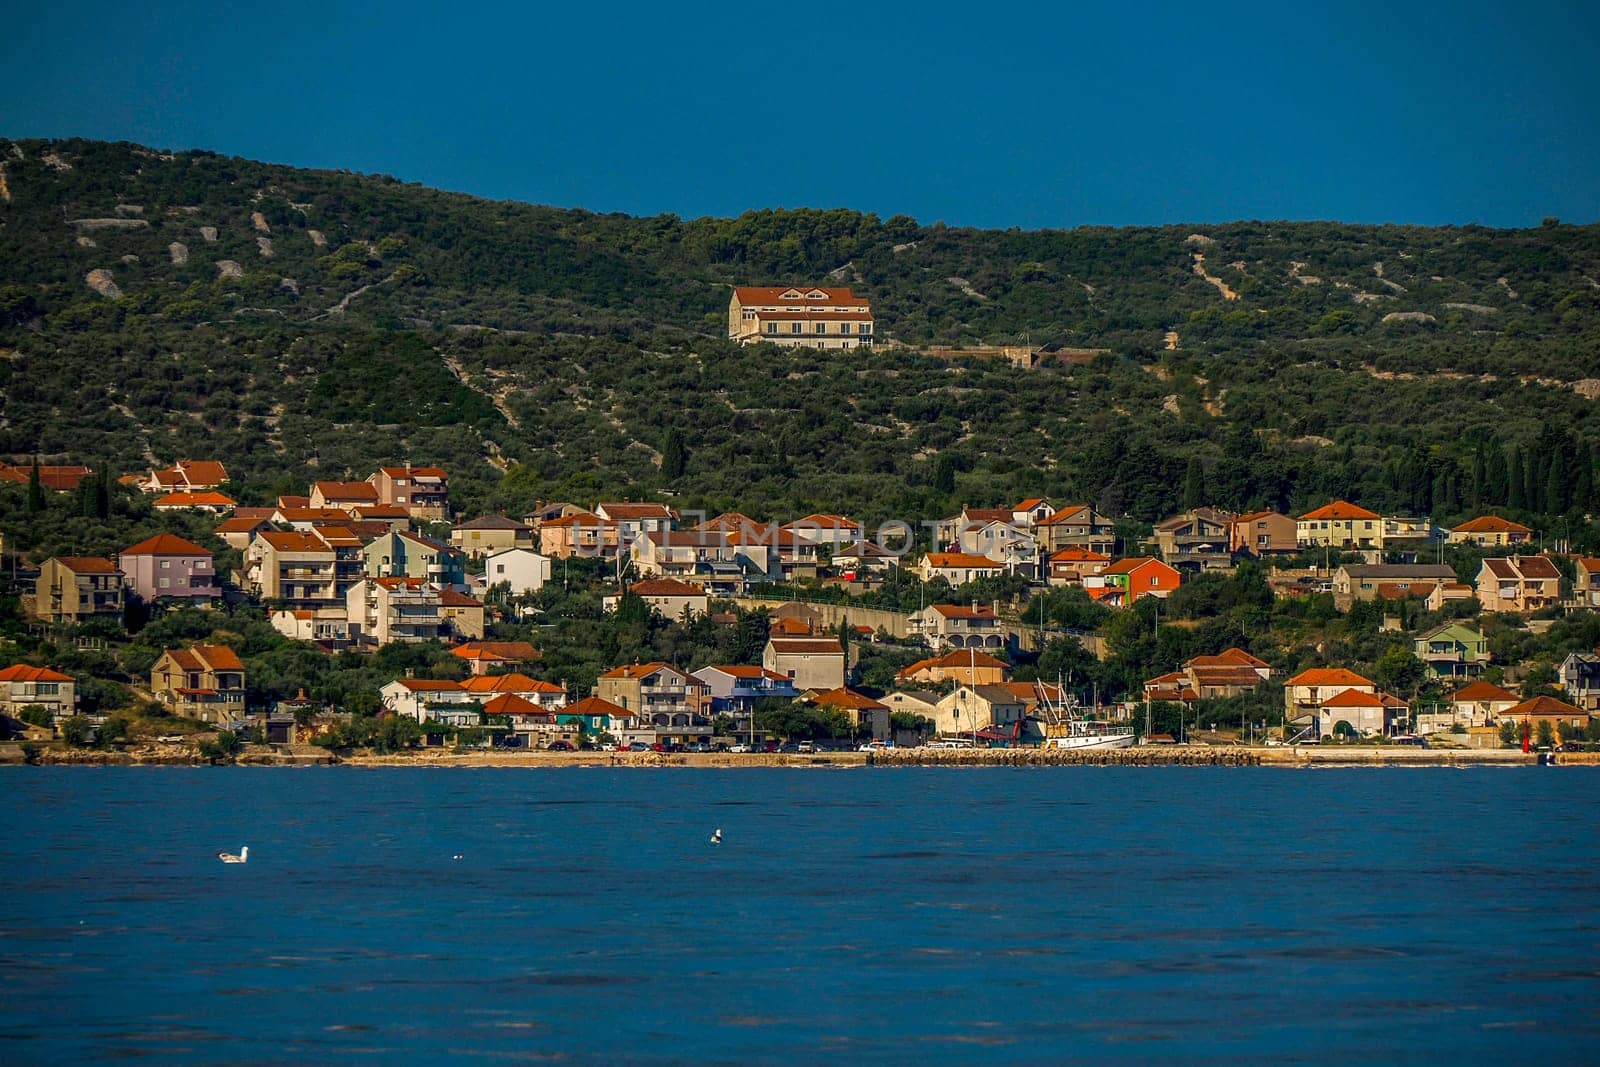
[(799, 316)]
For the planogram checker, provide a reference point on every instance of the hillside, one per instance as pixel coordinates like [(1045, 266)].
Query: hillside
[(157, 305)]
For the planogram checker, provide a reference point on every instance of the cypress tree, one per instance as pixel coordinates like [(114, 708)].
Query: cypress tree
[(674, 456), (1194, 484), (1516, 489), (1497, 487), (35, 490), (1555, 491), (1480, 472)]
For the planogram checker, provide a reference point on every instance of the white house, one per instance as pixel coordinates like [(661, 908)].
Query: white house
[(523, 569)]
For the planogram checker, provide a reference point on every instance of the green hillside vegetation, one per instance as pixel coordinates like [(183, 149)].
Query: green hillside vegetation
[(545, 353)]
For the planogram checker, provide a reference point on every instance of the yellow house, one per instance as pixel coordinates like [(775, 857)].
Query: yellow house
[(799, 316), (1340, 524)]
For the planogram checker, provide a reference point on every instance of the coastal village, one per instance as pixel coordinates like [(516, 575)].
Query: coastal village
[(355, 566)]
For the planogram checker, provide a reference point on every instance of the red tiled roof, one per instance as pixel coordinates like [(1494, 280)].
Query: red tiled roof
[(430, 685), (962, 611), (1079, 555), (415, 472), (56, 479), (596, 706), (964, 658), (1482, 691), (806, 646), (203, 657), (509, 683), (1491, 524), (194, 500), (1353, 698), (1340, 509), (960, 561), (665, 587), (624, 511), (637, 670), (364, 492), (450, 598), (845, 697), (1322, 676), (1543, 705), (740, 670), (88, 565), (512, 704), (21, 672), (772, 295), (165, 544), (1232, 657), (294, 541), (1069, 515), (496, 650)]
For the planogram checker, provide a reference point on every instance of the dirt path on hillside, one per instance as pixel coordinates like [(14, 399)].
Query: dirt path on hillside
[(1222, 286)]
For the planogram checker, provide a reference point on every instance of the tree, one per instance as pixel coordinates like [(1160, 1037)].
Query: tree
[(77, 731), (674, 456), (1546, 733), (36, 715), (1399, 671), (1194, 484), (1508, 733), (36, 501)]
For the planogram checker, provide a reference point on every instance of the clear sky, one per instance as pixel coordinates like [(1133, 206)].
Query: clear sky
[(1059, 114)]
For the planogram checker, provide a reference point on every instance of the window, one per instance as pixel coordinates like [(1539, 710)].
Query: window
[(772, 327), (499, 568), (822, 327), (796, 327), (844, 327), (166, 582), (166, 564)]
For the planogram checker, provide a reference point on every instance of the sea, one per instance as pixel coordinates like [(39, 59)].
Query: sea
[(904, 915)]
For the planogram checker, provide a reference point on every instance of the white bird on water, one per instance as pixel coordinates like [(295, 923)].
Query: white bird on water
[(229, 857), (716, 836)]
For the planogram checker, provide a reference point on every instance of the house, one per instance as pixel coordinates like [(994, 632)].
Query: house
[(343, 495), (869, 717), (485, 656), (806, 316), (778, 553), (1070, 566), (1340, 524), (382, 610), (634, 520), (23, 686), (958, 568), (680, 553), (1586, 584), (1454, 650), (349, 557), (658, 693), (77, 588), (736, 687), (204, 682), (1263, 533), (1226, 674), (1580, 679), (306, 519), (1569, 721), (460, 615), (1367, 581), (862, 559), (583, 534), (1490, 531), (1400, 532), (166, 567), (808, 662), (1367, 713), (297, 568), (918, 702), (532, 726), (1306, 691), (238, 530), (1034, 510), (211, 502), (969, 667), (1075, 526), (402, 554), (546, 695), (1481, 704), (1518, 584), (185, 476), (56, 479), (423, 491), (436, 699), (1127, 581), (1448, 593), (959, 626), (668, 597), (1001, 541), (1199, 539), (520, 570), (971, 708), (488, 534), (596, 716), (325, 625), (834, 531)]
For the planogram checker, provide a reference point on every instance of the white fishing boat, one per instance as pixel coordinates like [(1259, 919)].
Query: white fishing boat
[(1067, 725)]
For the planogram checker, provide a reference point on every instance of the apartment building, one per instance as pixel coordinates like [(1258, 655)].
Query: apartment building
[(800, 317)]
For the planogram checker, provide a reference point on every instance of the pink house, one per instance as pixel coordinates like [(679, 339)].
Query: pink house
[(166, 567)]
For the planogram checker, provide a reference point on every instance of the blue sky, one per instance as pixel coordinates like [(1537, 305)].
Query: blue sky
[(1063, 114)]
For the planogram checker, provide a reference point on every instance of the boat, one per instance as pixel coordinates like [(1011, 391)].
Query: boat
[(1067, 726)]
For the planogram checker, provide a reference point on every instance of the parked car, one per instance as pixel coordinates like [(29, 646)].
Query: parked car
[(699, 746), (559, 746), (805, 746), (770, 746), (740, 748), (638, 746)]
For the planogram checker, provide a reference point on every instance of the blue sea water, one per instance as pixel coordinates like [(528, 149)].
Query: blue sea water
[(1028, 915)]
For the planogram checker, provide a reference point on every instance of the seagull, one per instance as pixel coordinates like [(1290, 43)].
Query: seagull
[(716, 836), (229, 857)]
